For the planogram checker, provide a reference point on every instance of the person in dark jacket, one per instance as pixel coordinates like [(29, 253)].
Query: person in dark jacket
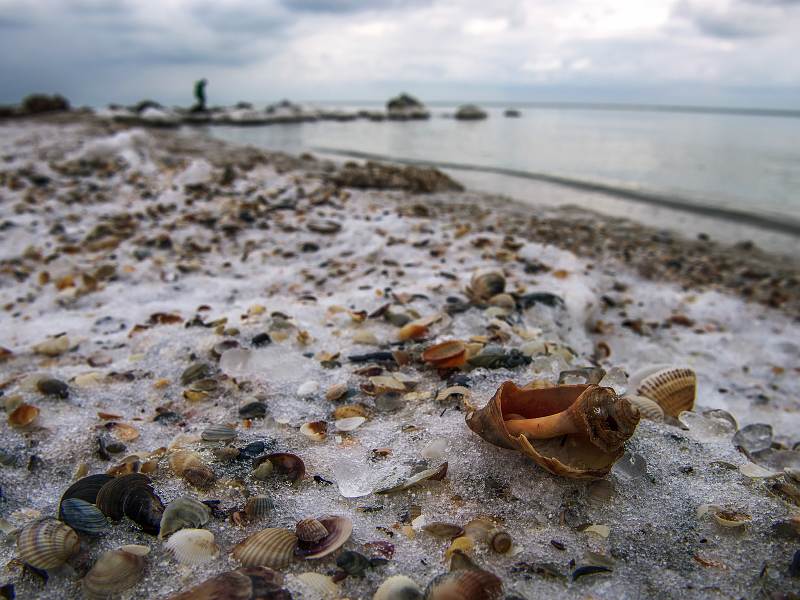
[(200, 96)]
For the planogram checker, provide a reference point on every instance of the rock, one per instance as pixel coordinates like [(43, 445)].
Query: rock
[(143, 105), (512, 113), (41, 103), (470, 112), (374, 175), (405, 107)]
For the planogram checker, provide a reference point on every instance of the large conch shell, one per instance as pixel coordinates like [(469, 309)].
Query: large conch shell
[(575, 431)]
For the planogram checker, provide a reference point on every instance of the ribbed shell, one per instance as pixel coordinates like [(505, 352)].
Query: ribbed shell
[(181, 513), (318, 586), (339, 530), (465, 585), (218, 433), (398, 587), (192, 546), (310, 530), (649, 409), (254, 583), (47, 544), (258, 507), (271, 547), (83, 516), (673, 389), (115, 571)]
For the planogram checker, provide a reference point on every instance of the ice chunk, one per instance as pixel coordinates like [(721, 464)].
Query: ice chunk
[(617, 379), (754, 438)]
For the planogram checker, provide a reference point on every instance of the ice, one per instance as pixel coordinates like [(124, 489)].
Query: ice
[(754, 438), (616, 379), (356, 480)]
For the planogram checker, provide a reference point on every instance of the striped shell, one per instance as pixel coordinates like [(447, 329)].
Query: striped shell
[(468, 584), (47, 544), (339, 530), (192, 546), (673, 389), (83, 516), (114, 572), (181, 513), (271, 547), (316, 586), (310, 530), (254, 583), (218, 433), (649, 409), (258, 507), (398, 587)]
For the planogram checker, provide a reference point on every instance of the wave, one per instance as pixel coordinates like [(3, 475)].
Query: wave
[(774, 222)]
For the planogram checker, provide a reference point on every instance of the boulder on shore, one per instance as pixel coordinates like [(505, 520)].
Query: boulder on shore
[(470, 112), (512, 113), (405, 107), (42, 103)]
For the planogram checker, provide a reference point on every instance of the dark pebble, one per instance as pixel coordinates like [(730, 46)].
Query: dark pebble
[(53, 387), (253, 410), (261, 339)]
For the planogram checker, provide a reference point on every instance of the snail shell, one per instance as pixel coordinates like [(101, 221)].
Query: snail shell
[(190, 466), (192, 546), (500, 541), (253, 583), (271, 547), (673, 389), (338, 532), (115, 571), (82, 516), (465, 585), (47, 544), (258, 507), (181, 513), (398, 587), (649, 409)]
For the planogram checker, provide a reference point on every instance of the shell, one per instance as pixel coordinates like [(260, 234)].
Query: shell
[(258, 507), (181, 513), (87, 488), (348, 411), (192, 546), (602, 420), (83, 516), (485, 284), (254, 583), (500, 541), (404, 483), (649, 409), (218, 433), (398, 587), (190, 466), (271, 547), (263, 471), (349, 423), (195, 372), (284, 463), (467, 585), (673, 389), (353, 563), (339, 530), (731, 518), (317, 586), (310, 530), (115, 571), (336, 392), (479, 529), (23, 416), (53, 387), (47, 544), (446, 355), (132, 496), (315, 430), (444, 530)]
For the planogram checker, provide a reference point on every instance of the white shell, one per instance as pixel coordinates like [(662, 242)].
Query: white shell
[(398, 587), (349, 423), (192, 546), (316, 586), (309, 388)]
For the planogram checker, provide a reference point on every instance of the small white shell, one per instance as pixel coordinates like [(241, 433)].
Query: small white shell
[(315, 430), (398, 587), (309, 388), (349, 423), (316, 586), (192, 546)]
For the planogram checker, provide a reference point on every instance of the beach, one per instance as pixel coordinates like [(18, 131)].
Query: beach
[(170, 283)]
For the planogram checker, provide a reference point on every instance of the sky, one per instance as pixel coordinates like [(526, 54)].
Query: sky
[(738, 53)]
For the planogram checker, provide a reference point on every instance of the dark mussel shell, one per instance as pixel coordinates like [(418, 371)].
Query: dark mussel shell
[(144, 507), (132, 495), (111, 497), (86, 488), (284, 463), (83, 516)]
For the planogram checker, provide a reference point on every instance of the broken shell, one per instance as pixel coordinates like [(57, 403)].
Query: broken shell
[(731, 518), (192, 546), (316, 430), (195, 372), (183, 512), (190, 466), (338, 532), (444, 530), (576, 431), (500, 541), (123, 431), (460, 544), (649, 409), (218, 433), (271, 547), (47, 544), (349, 424), (253, 583), (353, 563), (446, 355), (412, 331), (258, 507), (285, 463), (317, 586), (485, 284), (83, 516), (310, 530), (673, 389), (434, 474), (473, 584), (23, 416), (398, 587), (115, 571), (479, 529)]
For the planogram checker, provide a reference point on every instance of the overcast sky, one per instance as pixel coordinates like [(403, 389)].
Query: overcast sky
[(724, 52)]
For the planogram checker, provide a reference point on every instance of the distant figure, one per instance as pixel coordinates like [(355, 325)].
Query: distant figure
[(200, 96)]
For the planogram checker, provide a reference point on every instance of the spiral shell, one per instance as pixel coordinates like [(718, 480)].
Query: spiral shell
[(181, 513), (398, 587), (253, 583), (338, 532), (190, 466), (218, 433), (192, 546), (47, 544), (83, 516), (466, 585), (258, 507), (500, 541), (271, 547), (23, 416), (673, 389), (115, 571), (649, 409)]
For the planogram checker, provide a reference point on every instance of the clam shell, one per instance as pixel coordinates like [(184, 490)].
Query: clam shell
[(349, 423), (673, 389), (192, 546), (446, 355), (604, 422), (444, 530), (190, 466), (316, 430), (339, 530), (23, 416), (316, 586), (253, 583), (649, 409), (115, 571), (218, 433), (258, 507), (310, 530), (398, 587), (336, 392), (466, 584), (83, 516), (183, 512), (284, 463), (47, 544), (271, 547)]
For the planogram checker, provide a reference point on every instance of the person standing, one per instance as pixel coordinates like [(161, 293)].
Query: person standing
[(200, 96)]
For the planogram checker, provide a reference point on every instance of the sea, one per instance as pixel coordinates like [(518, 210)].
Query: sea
[(732, 175)]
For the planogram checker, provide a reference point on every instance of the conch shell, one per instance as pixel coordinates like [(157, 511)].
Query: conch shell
[(576, 431)]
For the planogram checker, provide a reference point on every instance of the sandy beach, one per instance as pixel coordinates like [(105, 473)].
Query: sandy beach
[(164, 292)]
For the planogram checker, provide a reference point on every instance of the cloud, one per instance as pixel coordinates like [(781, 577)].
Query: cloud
[(350, 6), (737, 19)]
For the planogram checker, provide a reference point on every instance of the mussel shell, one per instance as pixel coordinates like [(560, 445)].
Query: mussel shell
[(465, 585), (339, 530), (195, 372), (252, 583), (192, 546), (271, 547), (258, 507), (253, 410), (673, 389), (218, 433), (83, 516), (47, 544), (398, 587), (115, 571), (87, 488), (285, 463), (183, 512), (53, 387), (144, 507), (353, 563), (110, 498)]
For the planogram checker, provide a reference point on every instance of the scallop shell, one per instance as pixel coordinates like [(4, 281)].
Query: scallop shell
[(23, 416), (316, 430), (190, 466), (317, 586), (310, 530), (673, 389), (192, 546), (398, 587), (253, 583), (603, 422), (218, 433), (466, 584), (181, 513), (649, 409), (446, 355), (271, 547), (83, 516), (47, 544), (258, 507), (339, 530), (115, 571), (284, 463)]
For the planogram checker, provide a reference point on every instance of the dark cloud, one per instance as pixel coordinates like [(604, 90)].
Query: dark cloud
[(261, 18), (350, 6), (739, 19)]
